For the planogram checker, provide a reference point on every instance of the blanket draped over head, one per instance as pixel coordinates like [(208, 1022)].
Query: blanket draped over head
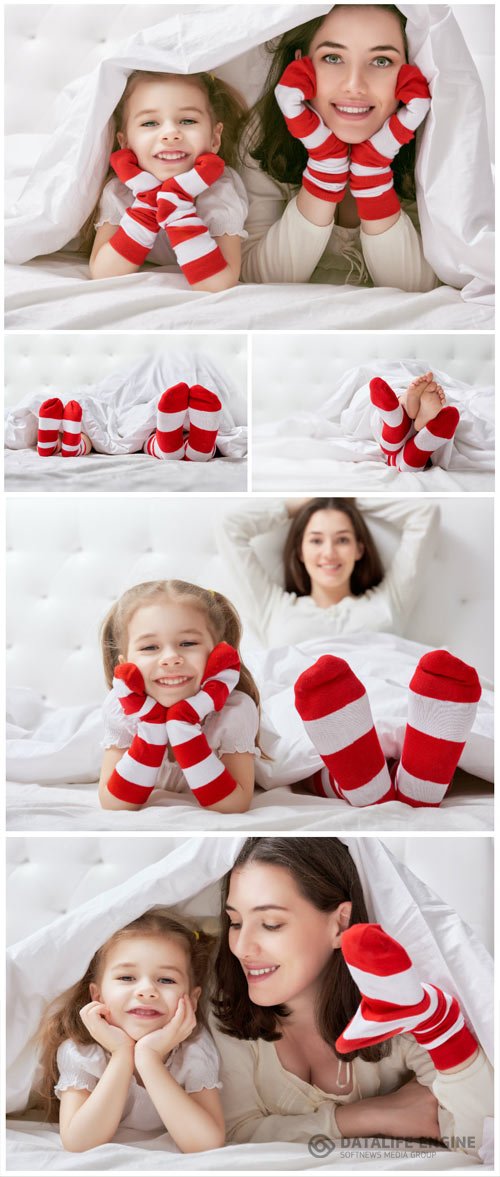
[(453, 172)]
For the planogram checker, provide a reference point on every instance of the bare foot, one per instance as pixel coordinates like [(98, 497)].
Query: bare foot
[(411, 398), (431, 403)]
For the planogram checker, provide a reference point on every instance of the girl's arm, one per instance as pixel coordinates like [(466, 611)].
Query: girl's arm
[(417, 523), (195, 1121), (230, 247), (241, 766), (90, 1118), (111, 758), (104, 261)]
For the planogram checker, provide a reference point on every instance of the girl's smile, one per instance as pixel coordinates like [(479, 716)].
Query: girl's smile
[(168, 124), (169, 642), (142, 981)]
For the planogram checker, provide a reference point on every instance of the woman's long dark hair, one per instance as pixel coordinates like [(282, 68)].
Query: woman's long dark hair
[(326, 876), (265, 133), (368, 571)]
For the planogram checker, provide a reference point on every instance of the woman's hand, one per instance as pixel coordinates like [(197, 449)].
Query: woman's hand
[(163, 1041), (95, 1017), (410, 1113), (325, 176)]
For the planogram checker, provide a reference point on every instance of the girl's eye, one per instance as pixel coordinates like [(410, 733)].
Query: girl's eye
[(186, 643), (149, 123), (147, 649), (189, 122), (167, 980), (125, 978)]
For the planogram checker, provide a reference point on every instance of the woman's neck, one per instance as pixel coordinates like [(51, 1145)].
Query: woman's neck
[(324, 597)]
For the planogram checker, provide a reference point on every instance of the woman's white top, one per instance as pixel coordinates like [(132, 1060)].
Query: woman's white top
[(194, 1064), (234, 729), (283, 619), (264, 1102), (223, 209), (282, 246)]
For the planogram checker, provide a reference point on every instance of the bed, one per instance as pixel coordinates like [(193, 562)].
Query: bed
[(314, 432), (47, 286), (69, 559), (118, 382), (110, 881)]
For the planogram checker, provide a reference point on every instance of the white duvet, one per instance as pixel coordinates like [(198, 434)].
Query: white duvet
[(443, 948), (53, 755), (334, 446), (49, 203)]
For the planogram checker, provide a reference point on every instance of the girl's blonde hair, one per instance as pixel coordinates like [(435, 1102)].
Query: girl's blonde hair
[(62, 1019), (226, 106), (222, 620)]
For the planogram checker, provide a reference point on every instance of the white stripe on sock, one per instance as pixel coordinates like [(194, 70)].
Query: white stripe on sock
[(338, 730), (441, 718)]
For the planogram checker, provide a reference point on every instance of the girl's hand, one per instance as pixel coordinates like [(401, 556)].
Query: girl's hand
[(220, 677), (138, 227), (325, 176), (163, 1041), (95, 1017), (197, 254), (135, 774)]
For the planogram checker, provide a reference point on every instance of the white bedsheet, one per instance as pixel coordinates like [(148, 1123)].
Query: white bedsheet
[(334, 447), (133, 472), (439, 943), (53, 756)]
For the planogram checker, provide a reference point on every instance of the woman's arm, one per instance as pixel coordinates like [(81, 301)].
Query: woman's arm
[(241, 766), (394, 255), (230, 247), (257, 592), (104, 261), (417, 523), (90, 1118), (111, 758), (195, 1121), (410, 1113), (284, 243)]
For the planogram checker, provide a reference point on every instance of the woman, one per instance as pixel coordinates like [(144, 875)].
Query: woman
[(334, 580), (286, 992), (325, 222)]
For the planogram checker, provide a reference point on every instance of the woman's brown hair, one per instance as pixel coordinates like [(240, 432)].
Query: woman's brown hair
[(368, 571), (326, 876), (264, 131), (226, 105), (63, 1021)]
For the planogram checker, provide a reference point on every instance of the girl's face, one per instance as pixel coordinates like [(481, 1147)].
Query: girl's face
[(281, 940), (168, 124), (357, 54), (330, 550), (142, 981), (170, 643)]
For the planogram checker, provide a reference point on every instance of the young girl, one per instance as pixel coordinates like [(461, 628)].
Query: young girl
[(170, 652), (413, 428), (334, 580), (187, 423), (329, 153), (127, 1045), (297, 1060), (171, 197)]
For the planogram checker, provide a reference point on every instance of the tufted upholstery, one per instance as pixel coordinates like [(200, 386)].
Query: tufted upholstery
[(39, 362), (54, 44), (49, 876), (294, 372), (70, 558)]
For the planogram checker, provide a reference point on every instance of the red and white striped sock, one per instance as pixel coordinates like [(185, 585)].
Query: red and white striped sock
[(168, 441), (73, 445), (395, 1001), (49, 425), (135, 775), (443, 697), (197, 254), (205, 774), (138, 228), (325, 175), (323, 784), (204, 416), (417, 452), (393, 426), (334, 707), (371, 177)]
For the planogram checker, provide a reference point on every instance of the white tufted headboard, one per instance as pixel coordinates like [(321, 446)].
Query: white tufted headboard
[(39, 362), (91, 866), (292, 372), (53, 44), (69, 558)]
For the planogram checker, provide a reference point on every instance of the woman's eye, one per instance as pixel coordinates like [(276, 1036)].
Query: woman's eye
[(231, 926), (332, 58), (272, 927), (382, 62)]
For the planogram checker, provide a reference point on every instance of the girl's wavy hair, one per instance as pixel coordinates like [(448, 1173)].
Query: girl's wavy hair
[(326, 876), (367, 572), (264, 131), (222, 620), (62, 1019), (226, 106)]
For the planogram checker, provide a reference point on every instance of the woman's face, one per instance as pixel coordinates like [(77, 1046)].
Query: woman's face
[(281, 940), (357, 54), (329, 551)]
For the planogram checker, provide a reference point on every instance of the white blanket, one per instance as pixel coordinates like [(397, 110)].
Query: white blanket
[(444, 949), (316, 448), (52, 751)]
